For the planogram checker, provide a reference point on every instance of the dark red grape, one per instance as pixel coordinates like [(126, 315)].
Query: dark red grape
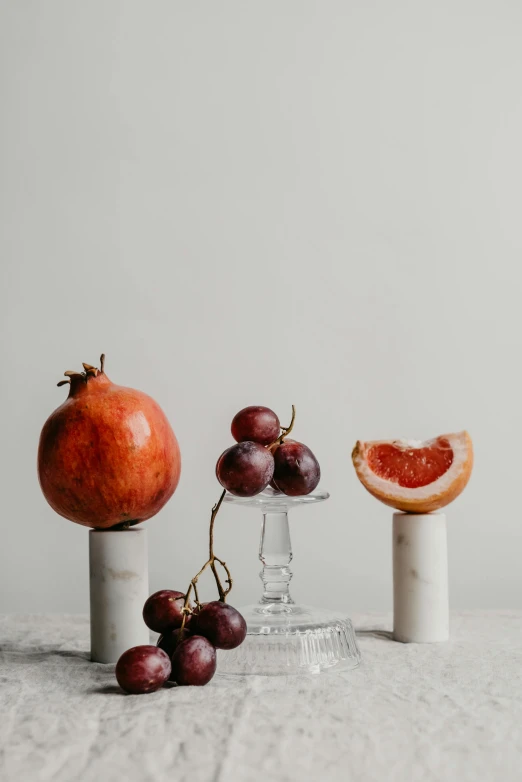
[(194, 661), (163, 610), (245, 469), (143, 669), (221, 624), (296, 469), (170, 641), (258, 424)]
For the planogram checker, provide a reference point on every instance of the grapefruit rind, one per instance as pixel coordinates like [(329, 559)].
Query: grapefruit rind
[(423, 499)]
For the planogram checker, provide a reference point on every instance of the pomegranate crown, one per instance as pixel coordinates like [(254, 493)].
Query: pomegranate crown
[(89, 372)]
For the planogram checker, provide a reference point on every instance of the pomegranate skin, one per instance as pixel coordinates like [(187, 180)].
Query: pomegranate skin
[(107, 455)]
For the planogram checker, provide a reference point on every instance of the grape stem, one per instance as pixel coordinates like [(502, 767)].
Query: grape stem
[(211, 563), (212, 559), (285, 431)]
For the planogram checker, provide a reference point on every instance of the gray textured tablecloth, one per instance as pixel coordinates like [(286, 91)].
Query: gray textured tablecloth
[(410, 712)]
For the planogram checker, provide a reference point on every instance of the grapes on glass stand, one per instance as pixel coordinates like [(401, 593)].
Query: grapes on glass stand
[(191, 631), (264, 457)]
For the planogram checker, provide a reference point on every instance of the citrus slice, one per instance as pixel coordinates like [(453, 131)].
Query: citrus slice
[(414, 476)]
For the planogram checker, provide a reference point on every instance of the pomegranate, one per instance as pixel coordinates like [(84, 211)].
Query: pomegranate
[(107, 456)]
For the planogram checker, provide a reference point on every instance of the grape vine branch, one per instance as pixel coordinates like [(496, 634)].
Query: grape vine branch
[(285, 431), (212, 558)]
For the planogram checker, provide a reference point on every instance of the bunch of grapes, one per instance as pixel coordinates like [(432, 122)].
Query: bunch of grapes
[(192, 631), (186, 650), (264, 457)]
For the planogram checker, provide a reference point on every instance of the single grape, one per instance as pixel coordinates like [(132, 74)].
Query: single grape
[(194, 661), (245, 469), (296, 470), (143, 669), (222, 624), (258, 424), (163, 610), (170, 641)]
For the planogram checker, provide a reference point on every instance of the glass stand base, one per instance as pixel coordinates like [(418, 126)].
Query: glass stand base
[(285, 639)]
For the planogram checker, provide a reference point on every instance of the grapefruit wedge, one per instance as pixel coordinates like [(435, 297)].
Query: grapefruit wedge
[(414, 476)]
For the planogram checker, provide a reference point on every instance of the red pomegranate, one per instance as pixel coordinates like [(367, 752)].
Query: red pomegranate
[(107, 456)]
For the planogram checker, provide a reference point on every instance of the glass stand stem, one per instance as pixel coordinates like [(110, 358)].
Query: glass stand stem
[(275, 552)]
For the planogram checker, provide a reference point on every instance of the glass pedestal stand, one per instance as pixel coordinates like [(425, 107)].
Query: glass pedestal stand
[(282, 637)]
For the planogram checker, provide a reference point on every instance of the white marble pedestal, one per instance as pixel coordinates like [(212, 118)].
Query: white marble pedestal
[(119, 587), (420, 578)]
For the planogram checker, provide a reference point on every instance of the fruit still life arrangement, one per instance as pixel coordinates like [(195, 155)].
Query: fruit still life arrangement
[(107, 457), (192, 631), (414, 476)]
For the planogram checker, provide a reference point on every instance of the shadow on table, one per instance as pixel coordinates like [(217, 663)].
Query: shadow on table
[(106, 689), (113, 689), (385, 635), (21, 655)]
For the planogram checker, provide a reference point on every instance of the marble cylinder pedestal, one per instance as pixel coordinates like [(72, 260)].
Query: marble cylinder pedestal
[(420, 578), (119, 587)]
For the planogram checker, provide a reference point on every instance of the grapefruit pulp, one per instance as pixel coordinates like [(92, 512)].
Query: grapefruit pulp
[(413, 476)]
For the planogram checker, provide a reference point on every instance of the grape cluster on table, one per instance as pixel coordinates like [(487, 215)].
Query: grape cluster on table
[(262, 457), (185, 656), (186, 650)]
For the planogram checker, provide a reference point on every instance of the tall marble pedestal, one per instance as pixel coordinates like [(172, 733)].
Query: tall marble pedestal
[(119, 587), (420, 578)]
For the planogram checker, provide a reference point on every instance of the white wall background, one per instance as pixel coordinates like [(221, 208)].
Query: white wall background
[(266, 203)]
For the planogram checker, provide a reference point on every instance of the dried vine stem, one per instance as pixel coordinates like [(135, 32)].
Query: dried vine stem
[(211, 563), (285, 431), (212, 559)]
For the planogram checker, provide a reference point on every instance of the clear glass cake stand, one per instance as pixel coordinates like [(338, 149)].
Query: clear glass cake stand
[(282, 637)]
